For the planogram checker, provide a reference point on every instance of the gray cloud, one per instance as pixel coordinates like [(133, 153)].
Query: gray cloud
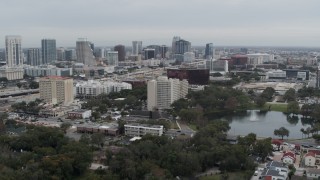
[(109, 22)]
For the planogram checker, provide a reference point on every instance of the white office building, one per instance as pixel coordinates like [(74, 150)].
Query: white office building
[(163, 92), (13, 51), (189, 57), (112, 58), (217, 65), (93, 88), (138, 130)]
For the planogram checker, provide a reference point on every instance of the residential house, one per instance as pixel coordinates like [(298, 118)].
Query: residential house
[(270, 174), (313, 173), (310, 159), (288, 157), (278, 166)]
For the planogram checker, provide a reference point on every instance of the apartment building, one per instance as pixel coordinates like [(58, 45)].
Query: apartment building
[(163, 92), (142, 129), (56, 90)]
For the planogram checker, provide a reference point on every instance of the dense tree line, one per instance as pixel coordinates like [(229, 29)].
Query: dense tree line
[(212, 101), (42, 153), (164, 158), (31, 107)]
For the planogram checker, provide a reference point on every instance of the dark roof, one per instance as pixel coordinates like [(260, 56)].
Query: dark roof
[(270, 172), (275, 164)]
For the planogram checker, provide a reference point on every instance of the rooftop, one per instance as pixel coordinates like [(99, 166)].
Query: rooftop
[(275, 164)]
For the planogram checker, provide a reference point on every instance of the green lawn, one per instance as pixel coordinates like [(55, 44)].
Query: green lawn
[(275, 107)]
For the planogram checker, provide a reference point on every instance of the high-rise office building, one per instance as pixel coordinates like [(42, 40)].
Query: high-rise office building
[(182, 46), (121, 52), (84, 52), (13, 51), (174, 40), (163, 92), (48, 51), (33, 57), (209, 51), (163, 51), (56, 89), (112, 58), (156, 49), (61, 55), (136, 47), (149, 53)]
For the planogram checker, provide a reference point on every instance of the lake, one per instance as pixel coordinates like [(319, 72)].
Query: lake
[(263, 124)]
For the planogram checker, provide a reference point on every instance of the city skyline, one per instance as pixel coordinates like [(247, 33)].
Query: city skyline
[(107, 23)]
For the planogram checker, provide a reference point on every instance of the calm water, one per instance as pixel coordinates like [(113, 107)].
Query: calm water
[(264, 123)]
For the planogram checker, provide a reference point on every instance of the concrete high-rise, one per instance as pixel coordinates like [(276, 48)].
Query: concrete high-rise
[(33, 57), (13, 51), (84, 52), (182, 46), (174, 40), (163, 92), (163, 51), (112, 58), (56, 89), (136, 47), (70, 55), (48, 51), (121, 52), (209, 51), (61, 54)]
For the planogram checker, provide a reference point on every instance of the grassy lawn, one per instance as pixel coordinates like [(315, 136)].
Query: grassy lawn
[(193, 127), (276, 107), (173, 125), (231, 176)]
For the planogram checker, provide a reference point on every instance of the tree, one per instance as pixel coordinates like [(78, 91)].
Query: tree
[(34, 85), (231, 103), (293, 107), (65, 126), (97, 139), (260, 101), (19, 85), (316, 137), (281, 132), (302, 132), (290, 95), (268, 93)]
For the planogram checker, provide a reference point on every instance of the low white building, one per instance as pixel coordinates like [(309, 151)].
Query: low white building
[(138, 130), (310, 159), (47, 70), (93, 88)]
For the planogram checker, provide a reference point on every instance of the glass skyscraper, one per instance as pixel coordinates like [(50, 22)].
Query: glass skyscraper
[(48, 51)]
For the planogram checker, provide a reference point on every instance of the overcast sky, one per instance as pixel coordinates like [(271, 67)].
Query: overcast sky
[(111, 22)]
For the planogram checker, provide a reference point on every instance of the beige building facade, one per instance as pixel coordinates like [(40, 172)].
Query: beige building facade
[(56, 90)]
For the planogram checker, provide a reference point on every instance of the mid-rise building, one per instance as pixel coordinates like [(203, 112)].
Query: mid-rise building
[(192, 75), (149, 53), (56, 90), (48, 51), (217, 65), (47, 70), (163, 51), (121, 52), (112, 58), (70, 54), (84, 52), (61, 54), (14, 56), (136, 47), (182, 46), (174, 40), (189, 57), (138, 130), (33, 57), (163, 92), (93, 88)]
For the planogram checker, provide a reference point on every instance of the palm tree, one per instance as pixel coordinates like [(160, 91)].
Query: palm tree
[(302, 132)]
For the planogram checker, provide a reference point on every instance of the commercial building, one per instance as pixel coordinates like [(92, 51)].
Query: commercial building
[(182, 46), (174, 40), (138, 130), (70, 54), (136, 47), (192, 75), (163, 51), (163, 92), (121, 52), (209, 51), (79, 114), (56, 90), (295, 74), (48, 51), (14, 56), (47, 70), (33, 57), (189, 57), (84, 52), (93, 88), (149, 53), (108, 129), (237, 60), (217, 65), (112, 58), (61, 54), (11, 73)]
